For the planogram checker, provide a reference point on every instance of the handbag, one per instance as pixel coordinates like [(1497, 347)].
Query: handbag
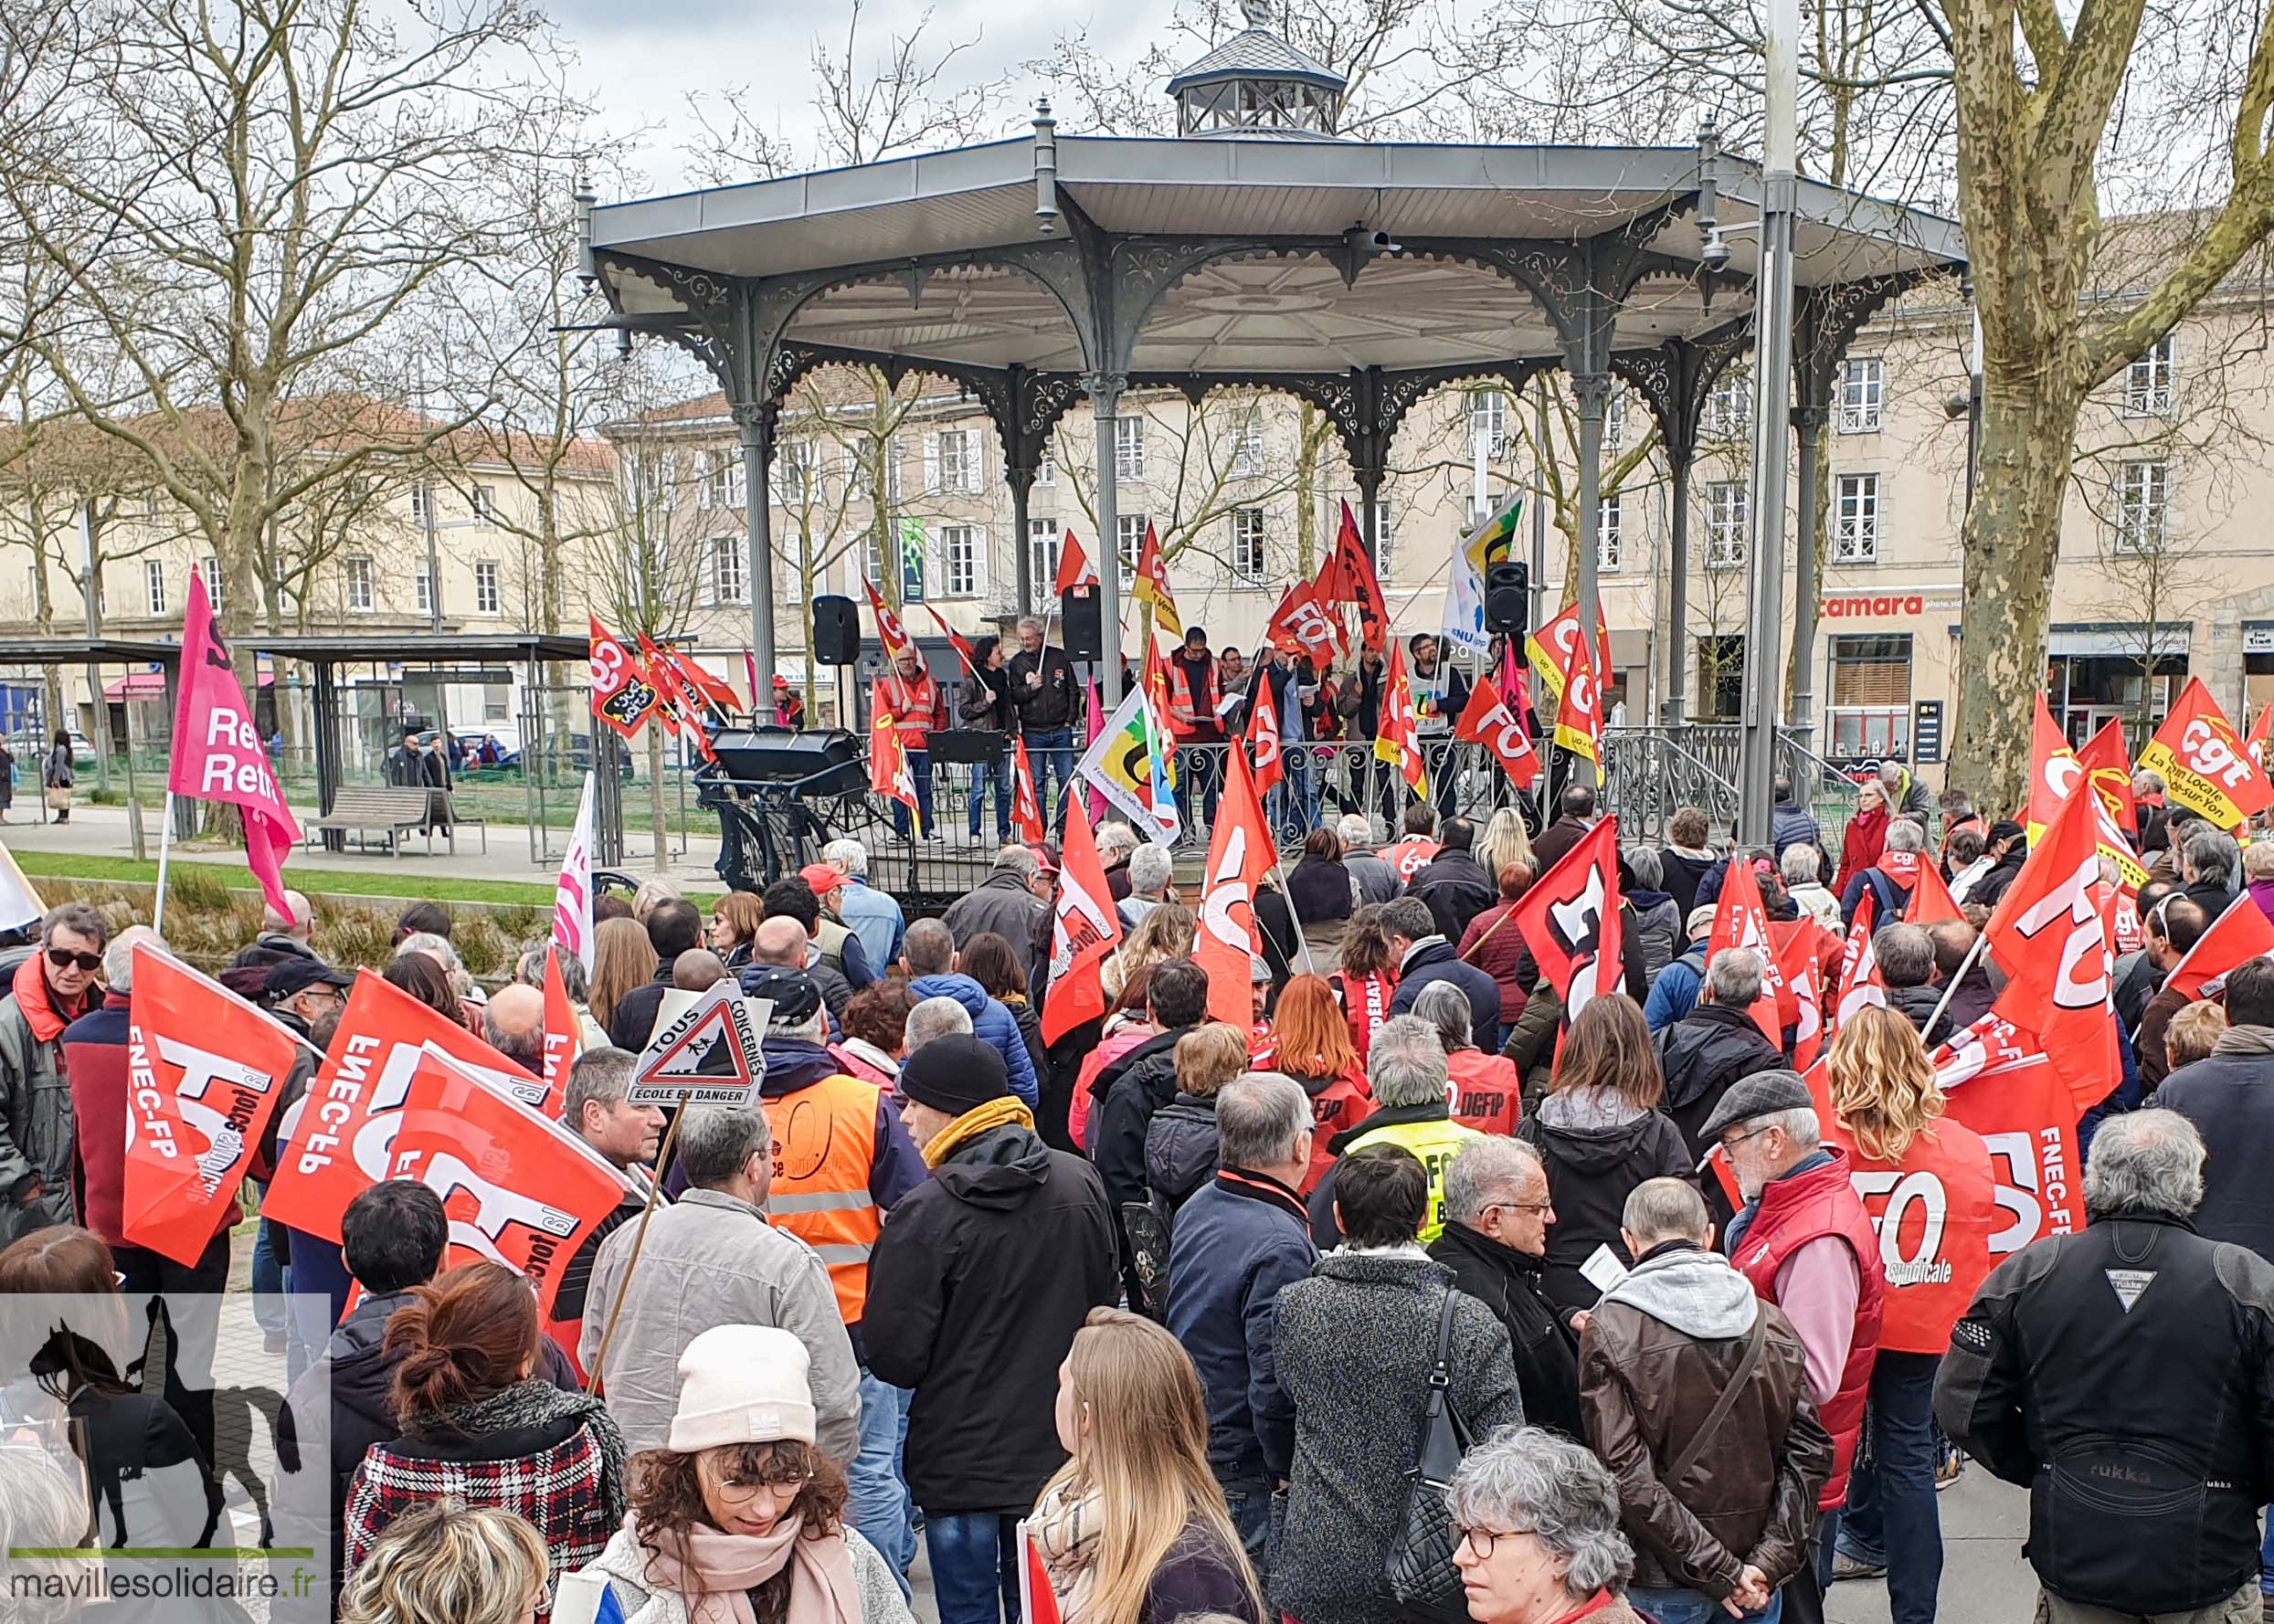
[(1423, 1580), (60, 796)]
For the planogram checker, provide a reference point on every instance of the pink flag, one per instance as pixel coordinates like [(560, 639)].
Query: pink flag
[(218, 753), (1094, 721)]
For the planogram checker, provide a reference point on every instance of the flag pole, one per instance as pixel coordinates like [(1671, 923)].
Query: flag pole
[(639, 1239), (165, 849)]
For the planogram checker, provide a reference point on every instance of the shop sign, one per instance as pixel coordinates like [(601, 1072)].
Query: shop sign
[(1847, 605)]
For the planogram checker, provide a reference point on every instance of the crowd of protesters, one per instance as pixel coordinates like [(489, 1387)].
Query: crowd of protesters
[(1170, 1311)]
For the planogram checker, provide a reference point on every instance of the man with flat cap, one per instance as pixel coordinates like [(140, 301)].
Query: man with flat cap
[(1806, 1244), (985, 1273)]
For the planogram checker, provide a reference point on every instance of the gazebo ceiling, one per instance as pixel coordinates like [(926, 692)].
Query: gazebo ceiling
[(908, 258)]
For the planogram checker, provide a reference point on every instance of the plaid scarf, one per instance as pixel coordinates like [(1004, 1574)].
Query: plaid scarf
[(534, 1402), (1066, 1526)]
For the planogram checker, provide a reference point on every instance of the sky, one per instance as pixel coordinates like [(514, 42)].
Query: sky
[(642, 62)]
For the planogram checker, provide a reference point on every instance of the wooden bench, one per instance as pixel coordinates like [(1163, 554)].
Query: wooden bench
[(360, 808), (441, 811)]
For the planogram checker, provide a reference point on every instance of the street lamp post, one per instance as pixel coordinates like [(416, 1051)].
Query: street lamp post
[(1772, 386)]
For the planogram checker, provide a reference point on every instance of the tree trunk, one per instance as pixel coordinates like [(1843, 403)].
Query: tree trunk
[(655, 798)]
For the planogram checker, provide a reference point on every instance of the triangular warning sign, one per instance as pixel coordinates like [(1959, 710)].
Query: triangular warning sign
[(2129, 1284), (709, 1053)]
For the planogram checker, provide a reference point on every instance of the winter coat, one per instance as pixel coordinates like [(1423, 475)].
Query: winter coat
[(2144, 1435), (1657, 924), (1791, 825), (991, 1024), (1002, 903), (1661, 1349), (1115, 1046), (1553, 843), (36, 1124), (1434, 960), (1179, 1150), (1818, 902), (1990, 890), (1376, 881), (1700, 1056), (984, 702), (1512, 1284), (624, 1565), (632, 1022), (2229, 1097), (1030, 1023), (1128, 1092), (1680, 871), (1674, 990), (1915, 1004), (1497, 949), (1055, 703), (1860, 846), (982, 1277), (1456, 889), (1239, 1243), (710, 1259), (1357, 1342), (1596, 1153)]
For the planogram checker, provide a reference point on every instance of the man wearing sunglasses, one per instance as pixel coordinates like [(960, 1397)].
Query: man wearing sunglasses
[(51, 989)]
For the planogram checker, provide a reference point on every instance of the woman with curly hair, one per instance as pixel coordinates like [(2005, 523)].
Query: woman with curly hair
[(740, 1520), (1134, 1529), (1886, 1105)]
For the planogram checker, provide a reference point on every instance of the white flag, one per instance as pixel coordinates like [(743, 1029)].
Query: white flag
[(20, 903), (1464, 585), (1130, 763), (572, 897)]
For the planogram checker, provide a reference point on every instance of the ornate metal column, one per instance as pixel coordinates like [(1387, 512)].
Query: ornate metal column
[(1678, 459), (1021, 483), (755, 419), (1105, 390), (1593, 391)]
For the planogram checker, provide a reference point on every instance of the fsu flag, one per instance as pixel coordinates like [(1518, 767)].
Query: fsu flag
[(1553, 647), (1579, 715), (2055, 774), (562, 1030), (1239, 853), (1262, 741), (346, 1131), (1397, 737), (1151, 587), (1302, 626), (519, 1188), (1074, 566), (1742, 919), (2107, 767), (622, 696), (889, 631), (1084, 930), (2204, 765), (890, 775), (1488, 721), (218, 752), (2047, 935), (2241, 932), (572, 893), (1347, 576), (1569, 919), (1861, 984), (1026, 809), (2003, 1085), (204, 1070)]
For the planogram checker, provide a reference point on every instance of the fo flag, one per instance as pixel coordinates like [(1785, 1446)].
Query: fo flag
[(622, 696), (1488, 721), (218, 752), (204, 1071), (1742, 919), (1302, 625), (347, 1127), (519, 1189), (2001, 1083), (1569, 919), (2047, 937), (2206, 765), (1085, 931), (1240, 854)]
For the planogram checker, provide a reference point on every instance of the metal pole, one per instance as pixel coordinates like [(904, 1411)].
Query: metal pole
[(757, 424), (1773, 389), (1807, 571), (1021, 546), (1539, 532), (1106, 403), (1677, 594), (91, 589), (136, 840), (434, 556), (1594, 390)]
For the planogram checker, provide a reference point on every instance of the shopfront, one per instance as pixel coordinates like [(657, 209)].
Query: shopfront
[(2097, 672)]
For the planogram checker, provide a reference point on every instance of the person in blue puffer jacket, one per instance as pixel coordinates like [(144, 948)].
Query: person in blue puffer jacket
[(928, 954)]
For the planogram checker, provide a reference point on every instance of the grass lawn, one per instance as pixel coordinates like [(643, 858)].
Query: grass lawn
[(232, 873)]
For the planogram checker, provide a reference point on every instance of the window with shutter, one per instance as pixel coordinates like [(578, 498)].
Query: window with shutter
[(1871, 670)]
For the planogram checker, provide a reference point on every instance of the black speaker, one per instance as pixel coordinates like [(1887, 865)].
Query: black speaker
[(836, 631), (1508, 597), (1078, 614)]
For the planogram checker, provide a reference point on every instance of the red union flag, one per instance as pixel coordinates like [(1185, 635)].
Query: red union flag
[(1026, 808), (2107, 761), (2256, 742), (347, 1127), (889, 631), (1398, 738), (2055, 774), (1569, 919), (1796, 962), (562, 1033), (1262, 741), (2241, 932), (1930, 899), (1579, 717), (1556, 645), (1861, 985), (1488, 721), (2047, 935), (1301, 624), (2001, 1083), (204, 1070), (1074, 566), (218, 752), (1347, 576), (1239, 853), (519, 1188), (1742, 919), (2204, 765), (1084, 932), (622, 696)]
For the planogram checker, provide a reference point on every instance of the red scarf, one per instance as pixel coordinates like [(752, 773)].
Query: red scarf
[(36, 999)]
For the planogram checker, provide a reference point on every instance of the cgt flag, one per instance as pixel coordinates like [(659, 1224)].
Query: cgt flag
[(1262, 741), (1026, 807), (1347, 577), (622, 696), (1488, 721), (889, 630), (2055, 774), (1569, 919), (347, 1128), (1398, 738), (1074, 566), (1553, 647), (2107, 761), (1240, 855), (519, 1188), (1151, 587), (562, 1034), (2205, 766), (204, 1072), (1578, 714), (218, 752), (1085, 928)]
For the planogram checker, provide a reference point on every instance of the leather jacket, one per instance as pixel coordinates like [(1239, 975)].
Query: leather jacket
[(1645, 1389)]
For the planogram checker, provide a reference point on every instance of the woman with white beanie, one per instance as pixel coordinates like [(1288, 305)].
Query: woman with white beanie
[(741, 1520)]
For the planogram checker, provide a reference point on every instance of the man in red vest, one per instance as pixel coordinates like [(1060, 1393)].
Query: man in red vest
[(918, 706), (1806, 1244), (1192, 718)]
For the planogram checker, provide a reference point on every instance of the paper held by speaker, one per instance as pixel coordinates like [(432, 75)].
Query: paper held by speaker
[(836, 631)]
